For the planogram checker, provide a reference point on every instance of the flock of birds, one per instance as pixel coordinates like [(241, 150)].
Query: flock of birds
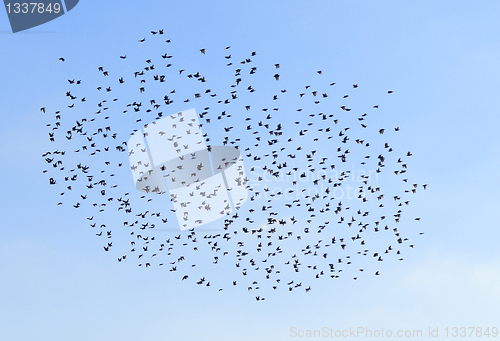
[(315, 173)]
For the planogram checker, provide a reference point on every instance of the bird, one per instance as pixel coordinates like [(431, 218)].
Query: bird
[(259, 231)]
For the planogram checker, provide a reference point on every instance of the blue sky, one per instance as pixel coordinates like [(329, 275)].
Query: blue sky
[(439, 58)]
